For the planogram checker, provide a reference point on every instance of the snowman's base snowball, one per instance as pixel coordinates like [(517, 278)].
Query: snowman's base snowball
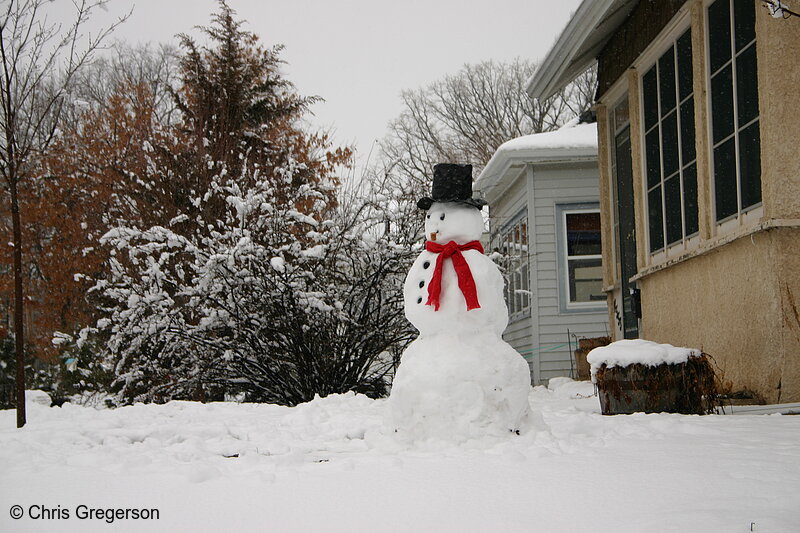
[(453, 387)]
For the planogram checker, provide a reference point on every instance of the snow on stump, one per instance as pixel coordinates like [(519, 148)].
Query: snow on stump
[(635, 376)]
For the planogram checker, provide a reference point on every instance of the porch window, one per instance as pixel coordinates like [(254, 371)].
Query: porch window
[(584, 272), (513, 244), (670, 158), (734, 113)]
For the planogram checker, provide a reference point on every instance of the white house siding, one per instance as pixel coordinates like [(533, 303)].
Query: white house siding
[(505, 210), (554, 184), (512, 201), (535, 174), (541, 336), (518, 335)]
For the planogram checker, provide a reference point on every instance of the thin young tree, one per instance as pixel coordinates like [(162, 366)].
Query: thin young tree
[(464, 117), (39, 61)]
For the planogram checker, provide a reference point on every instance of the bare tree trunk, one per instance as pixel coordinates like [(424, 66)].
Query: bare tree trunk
[(19, 320), (32, 89)]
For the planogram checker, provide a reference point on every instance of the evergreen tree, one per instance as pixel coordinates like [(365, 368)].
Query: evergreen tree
[(241, 271)]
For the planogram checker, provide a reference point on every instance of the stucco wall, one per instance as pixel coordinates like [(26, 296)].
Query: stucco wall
[(778, 50), (787, 242), (737, 303)]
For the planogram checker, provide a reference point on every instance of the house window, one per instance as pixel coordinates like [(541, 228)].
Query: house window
[(670, 158), (734, 114), (513, 244), (583, 272)]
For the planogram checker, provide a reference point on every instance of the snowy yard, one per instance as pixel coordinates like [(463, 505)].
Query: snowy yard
[(328, 466)]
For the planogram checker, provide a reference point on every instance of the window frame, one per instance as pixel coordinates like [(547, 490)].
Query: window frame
[(650, 59), (616, 127), (566, 306), (517, 267), (749, 215), (623, 248)]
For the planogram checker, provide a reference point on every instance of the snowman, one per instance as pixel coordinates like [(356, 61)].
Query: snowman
[(459, 378)]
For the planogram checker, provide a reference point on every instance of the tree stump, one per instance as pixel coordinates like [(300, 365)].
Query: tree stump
[(686, 388), (584, 347)]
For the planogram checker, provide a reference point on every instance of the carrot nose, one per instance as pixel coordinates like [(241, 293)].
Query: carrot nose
[(433, 235)]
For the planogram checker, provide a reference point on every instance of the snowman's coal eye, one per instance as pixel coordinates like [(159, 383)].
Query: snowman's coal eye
[(441, 217), (428, 216)]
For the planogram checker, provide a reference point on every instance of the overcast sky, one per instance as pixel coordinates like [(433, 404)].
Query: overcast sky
[(359, 54)]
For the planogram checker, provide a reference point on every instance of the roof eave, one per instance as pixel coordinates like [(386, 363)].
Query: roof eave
[(496, 171), (558, 64)]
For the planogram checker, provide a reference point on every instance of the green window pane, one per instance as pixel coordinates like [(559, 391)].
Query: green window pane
[(722, 104), (747, 86), (750, 165), (719, 34), (725, 179), (650, 97), (653, 148), (690, 199), (744, 22), (655, 219), (687, 132), (669, 141), (666, 81), (685, 78), (672, 209)]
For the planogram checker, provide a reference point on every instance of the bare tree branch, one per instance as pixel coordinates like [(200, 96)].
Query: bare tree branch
[(33, 91)]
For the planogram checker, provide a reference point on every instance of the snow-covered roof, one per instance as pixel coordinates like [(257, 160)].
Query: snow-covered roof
[(572, 142), (587, 32), (569, 136)]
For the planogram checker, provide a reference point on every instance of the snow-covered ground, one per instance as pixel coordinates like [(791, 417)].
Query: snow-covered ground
[(328, 466)]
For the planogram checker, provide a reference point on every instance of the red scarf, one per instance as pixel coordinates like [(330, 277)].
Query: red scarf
[(465, 281)]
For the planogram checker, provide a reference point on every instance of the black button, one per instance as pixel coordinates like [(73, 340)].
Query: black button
[(426, 264), (421, 284), (419, 300)]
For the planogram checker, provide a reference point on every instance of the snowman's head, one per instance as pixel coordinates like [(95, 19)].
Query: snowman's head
[(451, 221)]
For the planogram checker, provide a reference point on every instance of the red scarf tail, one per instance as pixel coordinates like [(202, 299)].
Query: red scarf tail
[(435, 286), (465, 281)]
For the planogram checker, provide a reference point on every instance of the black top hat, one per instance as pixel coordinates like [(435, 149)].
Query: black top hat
[(451, 183)]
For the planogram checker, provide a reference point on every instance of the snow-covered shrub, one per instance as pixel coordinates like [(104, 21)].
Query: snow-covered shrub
[(82, 375), (273, 302), (235, 264)]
